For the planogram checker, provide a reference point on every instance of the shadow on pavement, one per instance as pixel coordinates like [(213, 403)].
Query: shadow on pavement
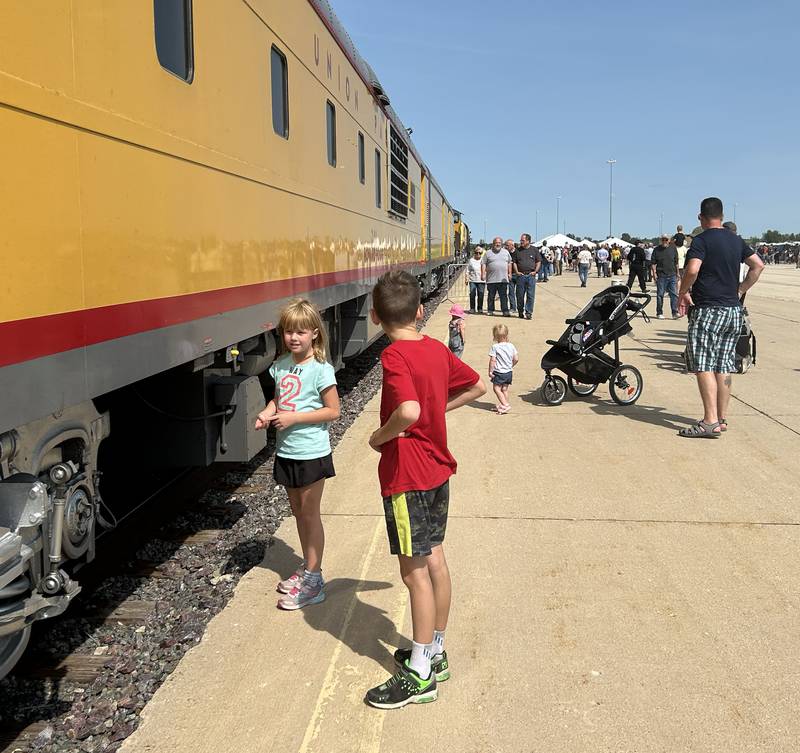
[(534, 397), (363, 628), (648, 414), (483, 406)]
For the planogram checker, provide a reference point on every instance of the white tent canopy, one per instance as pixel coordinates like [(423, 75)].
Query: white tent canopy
[(616, 242), (589, 244), (559, 240)]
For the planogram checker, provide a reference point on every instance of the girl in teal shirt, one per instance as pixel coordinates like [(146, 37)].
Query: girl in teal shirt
[(305, 402)]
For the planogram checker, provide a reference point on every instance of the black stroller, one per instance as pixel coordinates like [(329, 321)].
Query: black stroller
[(579, 351)]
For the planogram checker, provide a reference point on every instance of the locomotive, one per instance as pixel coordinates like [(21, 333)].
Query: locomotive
[(174, 173)]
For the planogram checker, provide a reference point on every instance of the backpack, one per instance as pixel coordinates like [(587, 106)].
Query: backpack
[(679, 239), (745, 345)]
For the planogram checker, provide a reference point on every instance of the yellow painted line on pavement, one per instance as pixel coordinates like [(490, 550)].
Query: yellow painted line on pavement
[(332, 675), (373, 745)]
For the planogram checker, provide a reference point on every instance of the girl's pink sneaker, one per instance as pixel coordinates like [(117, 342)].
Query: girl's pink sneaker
[(295, 579)]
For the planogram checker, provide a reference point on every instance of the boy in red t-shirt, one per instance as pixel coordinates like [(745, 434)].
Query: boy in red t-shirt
[(422, 380)]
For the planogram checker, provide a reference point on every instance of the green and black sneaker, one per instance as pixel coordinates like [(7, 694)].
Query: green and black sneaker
[(402, 688), (439, 663)]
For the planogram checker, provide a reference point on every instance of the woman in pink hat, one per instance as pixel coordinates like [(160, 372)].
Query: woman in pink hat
[(455, 340)]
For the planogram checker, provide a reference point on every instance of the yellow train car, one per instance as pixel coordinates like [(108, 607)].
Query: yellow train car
[(174, 172)]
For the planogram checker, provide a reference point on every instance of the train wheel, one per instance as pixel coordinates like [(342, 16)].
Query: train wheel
[(12, 647), (626, 384), (554, 390), (581, 389)]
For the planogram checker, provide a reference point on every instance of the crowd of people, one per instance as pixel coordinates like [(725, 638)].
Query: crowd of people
[(509, 271)]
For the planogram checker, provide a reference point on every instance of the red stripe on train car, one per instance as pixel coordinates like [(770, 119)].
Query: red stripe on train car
[(26, 339)]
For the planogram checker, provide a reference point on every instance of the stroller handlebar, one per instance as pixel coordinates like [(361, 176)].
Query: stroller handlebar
[(637, 305)]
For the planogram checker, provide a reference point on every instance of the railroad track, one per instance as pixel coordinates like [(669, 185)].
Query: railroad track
[(133, 622)]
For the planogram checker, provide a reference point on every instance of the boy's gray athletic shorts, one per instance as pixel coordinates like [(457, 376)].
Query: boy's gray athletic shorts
[(416, 521)]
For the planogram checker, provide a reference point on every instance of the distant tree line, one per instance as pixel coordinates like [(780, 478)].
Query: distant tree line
[(776, 236)]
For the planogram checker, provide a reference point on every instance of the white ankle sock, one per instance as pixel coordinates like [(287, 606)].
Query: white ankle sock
[(312, 578), (420, 660), (438, 642)]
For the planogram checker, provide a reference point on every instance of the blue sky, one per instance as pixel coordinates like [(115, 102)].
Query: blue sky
[(516, 102)]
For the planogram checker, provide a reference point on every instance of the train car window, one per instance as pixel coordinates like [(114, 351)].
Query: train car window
[(280, 93), (398, 174), (362, 168), (412, 198), (377, 178), (172, 20), (330, 111)]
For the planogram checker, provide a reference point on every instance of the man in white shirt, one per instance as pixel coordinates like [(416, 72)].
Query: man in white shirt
[(584, 262)]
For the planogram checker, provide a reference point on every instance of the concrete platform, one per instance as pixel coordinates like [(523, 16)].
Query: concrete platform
[(616, 587)]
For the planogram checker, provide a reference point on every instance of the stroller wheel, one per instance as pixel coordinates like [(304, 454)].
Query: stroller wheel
[(581, 389), (626, 384), (554, 390)]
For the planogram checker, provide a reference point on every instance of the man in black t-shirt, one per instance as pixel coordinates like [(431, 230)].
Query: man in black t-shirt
[(637, 261), (710, 291), (526, 260)]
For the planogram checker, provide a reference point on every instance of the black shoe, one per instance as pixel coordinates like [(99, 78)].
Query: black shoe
[(506, 315), (529, 316), (439, 664), (521, 316), (403, 687)]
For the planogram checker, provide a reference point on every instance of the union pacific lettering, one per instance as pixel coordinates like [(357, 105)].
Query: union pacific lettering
[(351, 89)]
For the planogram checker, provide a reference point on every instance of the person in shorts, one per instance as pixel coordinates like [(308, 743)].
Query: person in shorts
[(711, 293), (503, 357), (422, 380), (305, 402)]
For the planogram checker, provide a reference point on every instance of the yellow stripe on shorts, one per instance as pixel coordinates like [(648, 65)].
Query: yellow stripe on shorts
[(402, 522)]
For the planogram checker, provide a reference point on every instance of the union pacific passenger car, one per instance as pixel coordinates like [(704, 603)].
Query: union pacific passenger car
[(173, 173)]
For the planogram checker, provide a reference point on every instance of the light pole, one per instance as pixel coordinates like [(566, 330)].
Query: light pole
[(611, 163), (558, 212), (536, 231), (661, 226), (734, 213)]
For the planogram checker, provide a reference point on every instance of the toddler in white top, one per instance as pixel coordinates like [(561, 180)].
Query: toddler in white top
[(503, 357)]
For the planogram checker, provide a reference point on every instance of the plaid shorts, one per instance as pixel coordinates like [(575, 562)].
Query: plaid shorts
[(711, 340), (416, 521)]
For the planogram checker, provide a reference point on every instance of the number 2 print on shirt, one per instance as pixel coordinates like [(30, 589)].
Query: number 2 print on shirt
[(290, 386)]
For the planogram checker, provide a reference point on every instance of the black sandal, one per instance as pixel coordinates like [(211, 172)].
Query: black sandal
[(701, 430)]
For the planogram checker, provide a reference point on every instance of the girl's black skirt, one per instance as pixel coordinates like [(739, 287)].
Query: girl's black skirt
[(296, 473)]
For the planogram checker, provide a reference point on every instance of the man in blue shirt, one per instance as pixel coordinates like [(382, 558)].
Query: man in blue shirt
[(711, 292)]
